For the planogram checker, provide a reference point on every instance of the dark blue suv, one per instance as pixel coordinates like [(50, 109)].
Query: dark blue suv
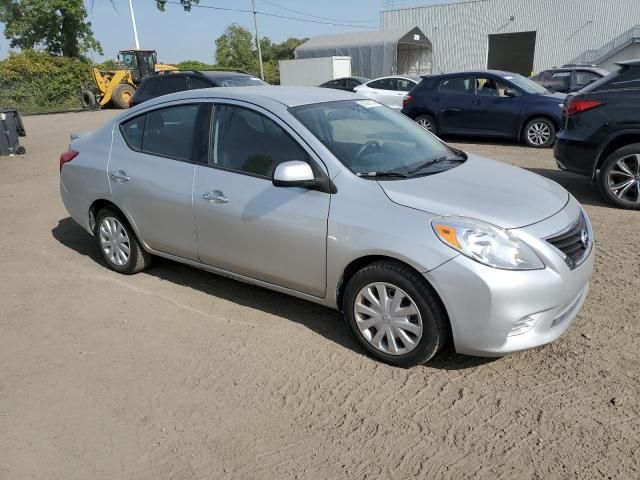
[(486, 103)]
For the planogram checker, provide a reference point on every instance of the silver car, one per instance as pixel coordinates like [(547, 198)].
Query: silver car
[(341, 201)]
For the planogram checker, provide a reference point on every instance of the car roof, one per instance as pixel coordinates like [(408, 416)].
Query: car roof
[(601, 71), (499, 73), (287, 96), (403, 77)]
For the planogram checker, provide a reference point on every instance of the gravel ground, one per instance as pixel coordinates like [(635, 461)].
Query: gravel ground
[(179, 374)]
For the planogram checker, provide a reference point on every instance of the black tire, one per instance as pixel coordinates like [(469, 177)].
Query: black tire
[(88, 99), (435, 327), (606, 179), (427, 122), (138, 258), (21, 150), (546, 126), (122, 93)]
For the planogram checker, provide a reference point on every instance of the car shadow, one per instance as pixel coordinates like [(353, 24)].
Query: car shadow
[(321, 320)]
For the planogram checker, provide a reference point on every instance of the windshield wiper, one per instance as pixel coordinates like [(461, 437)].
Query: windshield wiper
[(433, 161), (381, 174), (426, 164)]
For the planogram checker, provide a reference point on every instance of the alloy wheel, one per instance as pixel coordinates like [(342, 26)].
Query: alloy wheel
[(623, 179), (425, 123), (539, 133), (114, 241), (388, 318)]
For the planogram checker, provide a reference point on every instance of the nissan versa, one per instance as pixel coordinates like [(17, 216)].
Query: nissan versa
[(341, 201)]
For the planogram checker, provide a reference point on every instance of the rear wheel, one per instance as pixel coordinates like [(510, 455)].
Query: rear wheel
[(122, 94), (619, 178), (427, 122), (118, 243), (539, 133), (395, 314)]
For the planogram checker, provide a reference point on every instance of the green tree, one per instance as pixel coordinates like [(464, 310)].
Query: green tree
[(234, 49), (58, 26)]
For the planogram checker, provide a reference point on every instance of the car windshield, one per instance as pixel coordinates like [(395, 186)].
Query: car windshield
[(240, 81), (374, 141), (525, 84)]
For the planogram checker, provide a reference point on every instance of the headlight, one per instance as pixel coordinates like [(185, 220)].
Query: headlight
[(486, 243)]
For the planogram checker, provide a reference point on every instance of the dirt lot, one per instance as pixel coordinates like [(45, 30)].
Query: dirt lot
[(179, 374)]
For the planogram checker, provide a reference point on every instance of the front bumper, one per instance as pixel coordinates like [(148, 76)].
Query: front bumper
[(495, 312)]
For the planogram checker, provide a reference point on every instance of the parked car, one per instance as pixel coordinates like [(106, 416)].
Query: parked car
[(601, 136), (388, 90), (170, 82), (343, 202), (486, 103), (569, 78), (348, 84)]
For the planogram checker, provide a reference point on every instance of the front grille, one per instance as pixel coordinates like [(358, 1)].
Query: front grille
[(574, 242)]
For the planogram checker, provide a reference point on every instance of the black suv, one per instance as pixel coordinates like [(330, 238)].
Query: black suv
[(601, 136), (170, 82), (569, 78)]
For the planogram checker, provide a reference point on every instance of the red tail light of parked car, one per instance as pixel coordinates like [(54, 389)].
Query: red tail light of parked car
[(580, 105), (67, 157)]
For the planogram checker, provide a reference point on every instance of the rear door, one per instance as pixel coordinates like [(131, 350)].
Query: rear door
[(453, 105), (151, 172), (494, 113)]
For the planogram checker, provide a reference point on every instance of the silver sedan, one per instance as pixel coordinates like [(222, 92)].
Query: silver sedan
[(341, 201)]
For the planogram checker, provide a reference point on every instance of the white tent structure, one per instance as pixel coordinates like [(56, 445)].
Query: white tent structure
[(374, 54)]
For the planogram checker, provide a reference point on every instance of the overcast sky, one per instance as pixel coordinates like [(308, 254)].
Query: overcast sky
[(178, 35)]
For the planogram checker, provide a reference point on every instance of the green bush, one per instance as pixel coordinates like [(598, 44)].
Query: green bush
[(34, 81)]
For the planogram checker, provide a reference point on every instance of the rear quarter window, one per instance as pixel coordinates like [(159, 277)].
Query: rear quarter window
[(133, 131)]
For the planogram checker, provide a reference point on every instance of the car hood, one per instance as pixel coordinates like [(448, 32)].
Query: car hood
[(484, 189), (555, 96)]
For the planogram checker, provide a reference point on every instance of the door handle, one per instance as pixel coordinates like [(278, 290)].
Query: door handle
[(120, 176), (215, 197)]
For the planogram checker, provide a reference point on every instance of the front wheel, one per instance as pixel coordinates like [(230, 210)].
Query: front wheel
[(619, 179), (395, 314), (122, 95), (539, 133)]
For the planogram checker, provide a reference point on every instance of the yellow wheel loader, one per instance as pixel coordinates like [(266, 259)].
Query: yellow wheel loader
[(118, 86)]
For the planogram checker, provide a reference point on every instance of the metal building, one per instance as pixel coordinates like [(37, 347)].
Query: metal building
[(524, 36), (374, 54)]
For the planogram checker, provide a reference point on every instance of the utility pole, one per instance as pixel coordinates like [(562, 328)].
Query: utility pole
[(255, 24), (135, 29)]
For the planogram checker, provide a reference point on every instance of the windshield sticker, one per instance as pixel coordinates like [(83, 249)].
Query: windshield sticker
[(368, 103)]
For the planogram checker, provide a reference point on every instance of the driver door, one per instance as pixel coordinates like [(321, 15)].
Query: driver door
[(245, 224)]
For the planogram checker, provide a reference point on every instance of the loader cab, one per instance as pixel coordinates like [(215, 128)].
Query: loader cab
[(140, 63)]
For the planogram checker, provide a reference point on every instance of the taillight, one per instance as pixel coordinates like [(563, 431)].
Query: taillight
[(579, 105), (67, 157), (406, 100)]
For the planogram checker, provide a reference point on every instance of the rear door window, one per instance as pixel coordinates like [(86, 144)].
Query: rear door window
[(172, 85), (196, 83), (133, 130), (457, 85), (383, 84), (167, 132)]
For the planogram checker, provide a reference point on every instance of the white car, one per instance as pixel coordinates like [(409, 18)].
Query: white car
[(388, 90)]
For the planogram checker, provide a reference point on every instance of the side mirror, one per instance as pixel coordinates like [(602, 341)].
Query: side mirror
[(294, 174), (511, 93)]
